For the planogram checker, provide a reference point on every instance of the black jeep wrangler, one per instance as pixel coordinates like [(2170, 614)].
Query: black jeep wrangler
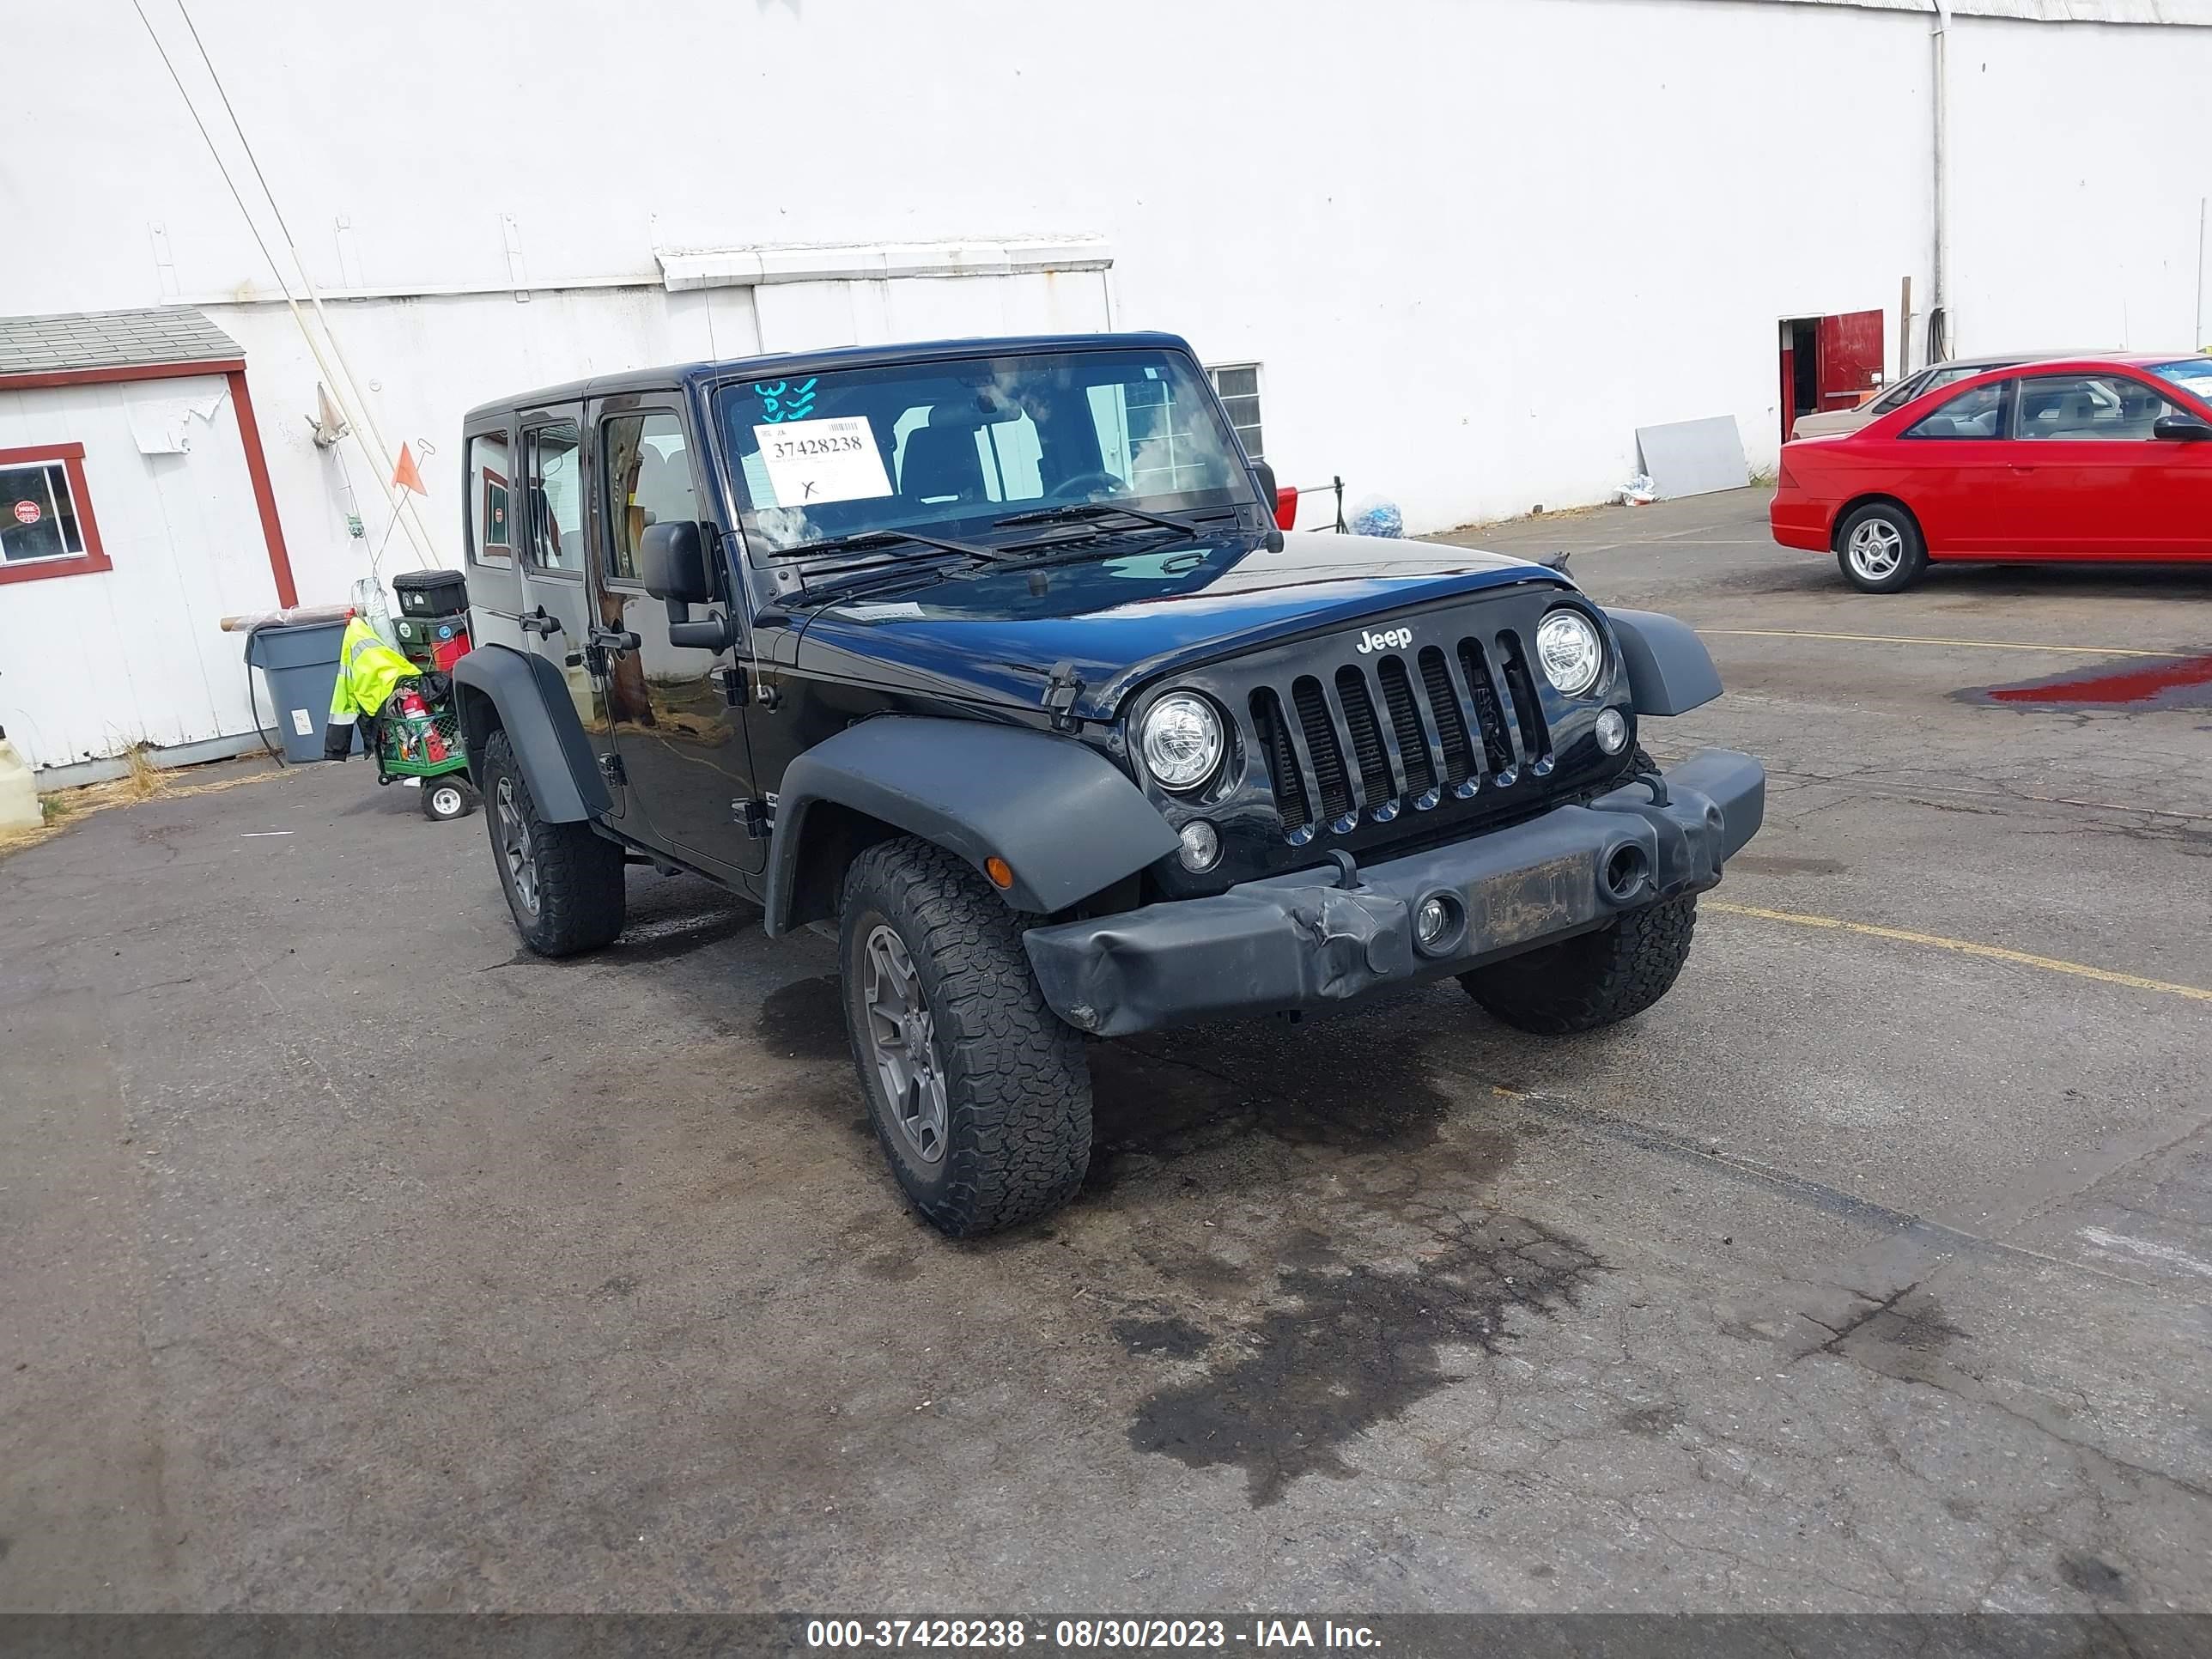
[(990, 656)]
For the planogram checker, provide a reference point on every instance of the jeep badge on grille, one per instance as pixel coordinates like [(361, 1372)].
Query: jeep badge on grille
[(1399, 637)]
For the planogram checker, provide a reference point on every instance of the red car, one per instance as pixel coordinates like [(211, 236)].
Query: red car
[(2106, 458)]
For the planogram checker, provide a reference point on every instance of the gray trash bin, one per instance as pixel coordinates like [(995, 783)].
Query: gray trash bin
[(298, 662)]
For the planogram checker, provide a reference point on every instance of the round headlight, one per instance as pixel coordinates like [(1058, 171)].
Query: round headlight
[(1181, 740), (1571, 651)]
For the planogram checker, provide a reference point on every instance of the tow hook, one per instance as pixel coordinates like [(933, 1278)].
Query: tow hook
[(1347, 872), (1060, 692)]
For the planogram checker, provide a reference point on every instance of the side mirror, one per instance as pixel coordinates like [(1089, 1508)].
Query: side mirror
[(672, 560), (2180, 429), (1282, 501)]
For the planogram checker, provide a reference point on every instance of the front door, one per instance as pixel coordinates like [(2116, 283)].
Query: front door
[(2095, 481), (678, 719)]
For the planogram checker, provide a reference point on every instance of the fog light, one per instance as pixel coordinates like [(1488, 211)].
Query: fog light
[(1202, 846), (1612, 730), (1436, 923)]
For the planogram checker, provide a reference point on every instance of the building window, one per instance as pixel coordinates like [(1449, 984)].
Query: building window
[(46, 526), (1239, 386)]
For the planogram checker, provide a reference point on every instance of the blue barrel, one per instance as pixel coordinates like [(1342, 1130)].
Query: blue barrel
[(299, 663)]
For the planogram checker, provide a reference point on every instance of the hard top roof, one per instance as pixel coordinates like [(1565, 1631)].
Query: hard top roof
[(782, 365)]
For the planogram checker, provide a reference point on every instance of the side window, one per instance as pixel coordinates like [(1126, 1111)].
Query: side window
[(491, 502), (2088, 408), (556, 535), (1976, 414), (647, 473)]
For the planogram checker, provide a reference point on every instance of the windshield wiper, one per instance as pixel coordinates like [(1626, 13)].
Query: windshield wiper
[(1076, 512), (866, 539)]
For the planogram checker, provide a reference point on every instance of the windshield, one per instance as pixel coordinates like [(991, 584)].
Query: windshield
[(952, 446), (2189, 373)]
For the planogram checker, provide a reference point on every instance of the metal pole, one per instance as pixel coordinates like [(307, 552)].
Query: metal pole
[(1940, 298), (1904, 329)]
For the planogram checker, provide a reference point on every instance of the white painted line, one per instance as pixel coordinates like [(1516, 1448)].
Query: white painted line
[(2143, 1247), (257, 835)]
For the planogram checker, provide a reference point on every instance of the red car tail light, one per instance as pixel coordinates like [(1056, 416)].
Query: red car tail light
[(1286, 507)]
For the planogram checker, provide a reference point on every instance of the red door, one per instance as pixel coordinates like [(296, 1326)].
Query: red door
[(1850, 357), (2091, 478), (1949, 466)]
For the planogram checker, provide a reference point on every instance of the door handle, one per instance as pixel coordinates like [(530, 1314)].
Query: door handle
[(616, 642), (2020, 466), (540, 622)]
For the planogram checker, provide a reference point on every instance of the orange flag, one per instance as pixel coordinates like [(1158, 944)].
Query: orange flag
[(407, 475)]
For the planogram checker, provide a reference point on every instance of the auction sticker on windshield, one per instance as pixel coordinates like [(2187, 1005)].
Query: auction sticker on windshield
[(810, 462)]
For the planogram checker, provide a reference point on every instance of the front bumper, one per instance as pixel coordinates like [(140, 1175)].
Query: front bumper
[(1302, 940)]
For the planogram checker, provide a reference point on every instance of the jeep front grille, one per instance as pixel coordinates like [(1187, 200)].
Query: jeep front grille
[(1383, 735)]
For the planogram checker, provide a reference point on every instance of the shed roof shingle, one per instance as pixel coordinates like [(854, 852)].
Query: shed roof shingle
[(110, 339)]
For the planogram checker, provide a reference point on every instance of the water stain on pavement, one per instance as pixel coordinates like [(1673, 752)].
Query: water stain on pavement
[(1355, 1083), (2178, 682), (1347, 1348), (805, 1019)]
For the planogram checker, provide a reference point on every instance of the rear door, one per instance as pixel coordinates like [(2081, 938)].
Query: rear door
[(2093, 478), (677, 714), (554, 615)]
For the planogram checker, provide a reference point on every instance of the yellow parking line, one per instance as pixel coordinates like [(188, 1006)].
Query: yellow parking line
[(1965, 947), (1909, 639)]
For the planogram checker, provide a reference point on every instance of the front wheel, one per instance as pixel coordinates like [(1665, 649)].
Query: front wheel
[(1593, 979), (978, 1093), (564, 884), (1879, 548)]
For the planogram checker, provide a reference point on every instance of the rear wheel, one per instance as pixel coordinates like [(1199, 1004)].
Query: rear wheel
[(1879, 549), (978, 1093), (564, 884), (1593, 979)]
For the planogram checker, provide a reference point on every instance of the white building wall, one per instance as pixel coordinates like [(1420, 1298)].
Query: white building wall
[(2083, 168), (93, 664), (1473, 245)]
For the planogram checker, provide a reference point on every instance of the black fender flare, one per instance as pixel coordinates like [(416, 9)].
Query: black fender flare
[(1669, 670), (497, 686), (1066, 821)]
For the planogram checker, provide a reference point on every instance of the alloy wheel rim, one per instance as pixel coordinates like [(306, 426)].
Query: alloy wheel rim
[(514, 847), (1877, 548), (901, 1041)]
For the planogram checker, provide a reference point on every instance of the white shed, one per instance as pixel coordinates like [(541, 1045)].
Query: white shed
[(136, 511)]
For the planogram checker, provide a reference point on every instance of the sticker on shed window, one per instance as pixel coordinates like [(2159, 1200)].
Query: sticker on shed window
[(831, 460)]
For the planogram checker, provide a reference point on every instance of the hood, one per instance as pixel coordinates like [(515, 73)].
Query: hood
[(1134, 612)]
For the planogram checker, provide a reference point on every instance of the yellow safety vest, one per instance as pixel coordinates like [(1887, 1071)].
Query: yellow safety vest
[(367, 670)]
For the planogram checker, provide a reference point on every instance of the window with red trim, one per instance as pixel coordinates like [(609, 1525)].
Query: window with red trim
[(46, 526)]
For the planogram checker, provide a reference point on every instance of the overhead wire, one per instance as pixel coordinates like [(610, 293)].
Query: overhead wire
[(339, 390)]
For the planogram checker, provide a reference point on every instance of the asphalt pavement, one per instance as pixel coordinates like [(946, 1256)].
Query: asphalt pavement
[(359, 1260)]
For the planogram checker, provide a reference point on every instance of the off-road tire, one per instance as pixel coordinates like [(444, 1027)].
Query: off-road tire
[(1593, 979), (1890, 524), (580, 897), (1017, 1091)]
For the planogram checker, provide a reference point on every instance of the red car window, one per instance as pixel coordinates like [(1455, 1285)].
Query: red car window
[(1977, 412), (2089, 409)]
